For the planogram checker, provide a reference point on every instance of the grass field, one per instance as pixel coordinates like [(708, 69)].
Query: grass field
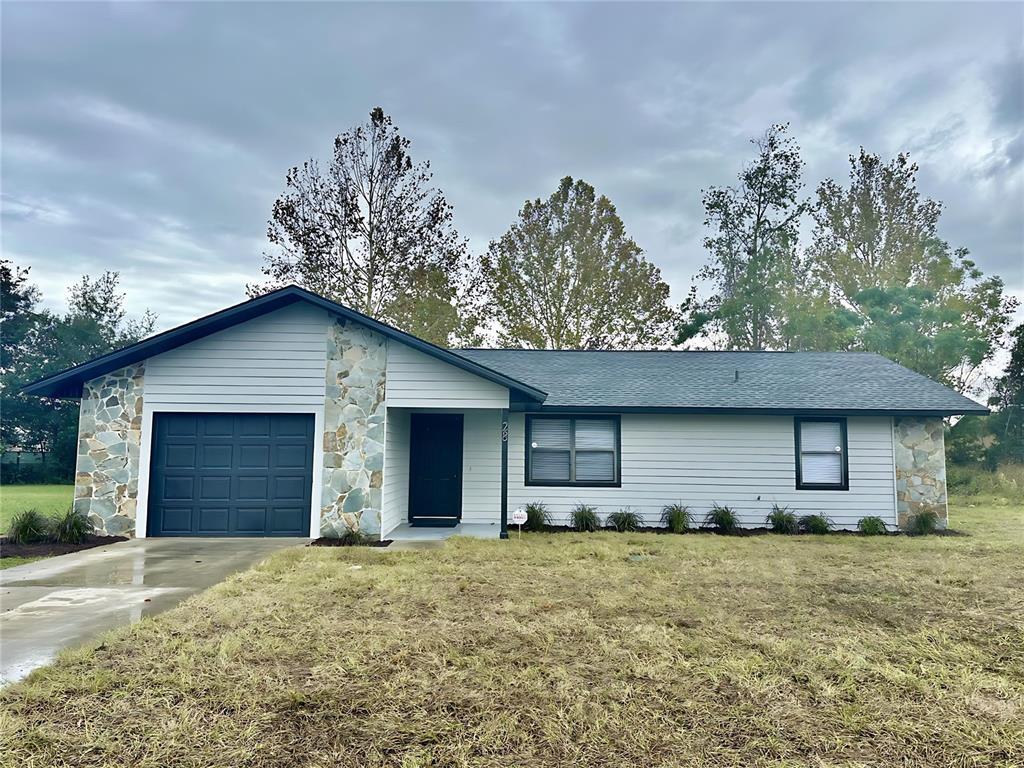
[(565, 649), (44, 498)]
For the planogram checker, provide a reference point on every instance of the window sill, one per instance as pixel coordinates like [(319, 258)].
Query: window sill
[(821, 487), (569, 484)]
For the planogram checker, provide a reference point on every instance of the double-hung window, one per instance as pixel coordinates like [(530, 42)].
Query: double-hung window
[(821, 461), (572, 450)]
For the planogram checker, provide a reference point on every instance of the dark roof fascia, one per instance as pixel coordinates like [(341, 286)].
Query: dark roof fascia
[(68, 383), (668, 409)]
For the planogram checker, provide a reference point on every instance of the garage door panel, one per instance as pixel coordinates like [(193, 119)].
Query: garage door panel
[(214, 520), (289, 426), (215, 488), (214, 425), (176, 488), (231, 475), (217, 456), (290, 456), (287, 519), (179, 456), (176, 520), (257, 426), (289, 488), (254, 456), (252, 519)]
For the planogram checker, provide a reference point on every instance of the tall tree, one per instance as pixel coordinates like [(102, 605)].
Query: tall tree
[(876, 255), (752, 246), (567, 276), (370, 232)]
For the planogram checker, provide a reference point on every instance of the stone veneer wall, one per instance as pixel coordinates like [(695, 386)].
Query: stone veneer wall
[(353, 429), (920, 468), (109, 436)]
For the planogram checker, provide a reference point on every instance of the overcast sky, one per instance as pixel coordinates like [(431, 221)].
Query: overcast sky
[(153, 139)]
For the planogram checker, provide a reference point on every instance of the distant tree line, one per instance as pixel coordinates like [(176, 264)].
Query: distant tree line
[(36, 342)]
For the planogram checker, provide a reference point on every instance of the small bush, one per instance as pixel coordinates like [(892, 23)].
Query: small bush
[(815, 524), (537, 516), (872, 526), (72, 527), (352, 538), (722, 519), (29, 527), (676, 517), (584, 518), (924, 522), (624, 520), (782, 520)]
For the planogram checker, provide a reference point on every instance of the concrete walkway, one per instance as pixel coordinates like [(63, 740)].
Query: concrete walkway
[(68, 600)]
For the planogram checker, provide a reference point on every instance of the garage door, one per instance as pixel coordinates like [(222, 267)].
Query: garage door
[(231, 474)]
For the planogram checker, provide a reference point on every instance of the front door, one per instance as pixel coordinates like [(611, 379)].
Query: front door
[(435, 469)]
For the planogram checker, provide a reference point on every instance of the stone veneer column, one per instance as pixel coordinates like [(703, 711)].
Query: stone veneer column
[(109, 436), (353, 472), (920, 468)]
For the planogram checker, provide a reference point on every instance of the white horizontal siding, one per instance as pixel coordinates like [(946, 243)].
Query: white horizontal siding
[(276, 359), (395, 496), (481, 467), (417, 380), (745, 462)]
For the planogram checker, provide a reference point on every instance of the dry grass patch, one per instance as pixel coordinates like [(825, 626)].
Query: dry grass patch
[(565, 649)]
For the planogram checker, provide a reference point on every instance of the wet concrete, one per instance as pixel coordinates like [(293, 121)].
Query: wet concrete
[(68, 600)]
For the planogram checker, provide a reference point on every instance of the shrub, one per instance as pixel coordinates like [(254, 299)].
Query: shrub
[(537, 516), (584, 518), (624, 520), (872, 526), (782, 520), (676, 517), (29, 527), (924, 522), (722, 519), (72, 527), (352, 538), (815, 524)]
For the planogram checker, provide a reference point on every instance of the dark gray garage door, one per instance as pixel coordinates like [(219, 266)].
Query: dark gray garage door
[(231, 474)]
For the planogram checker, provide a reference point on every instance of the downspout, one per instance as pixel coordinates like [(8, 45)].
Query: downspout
[(504, 473)]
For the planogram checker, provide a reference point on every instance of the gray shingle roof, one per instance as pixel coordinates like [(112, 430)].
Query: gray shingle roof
[(707, 381)]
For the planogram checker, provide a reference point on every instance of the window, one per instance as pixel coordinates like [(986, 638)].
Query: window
[(568, 450), (821, 454)]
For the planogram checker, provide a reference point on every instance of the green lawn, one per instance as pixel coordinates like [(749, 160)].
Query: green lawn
[(44, 498), (565, 649)]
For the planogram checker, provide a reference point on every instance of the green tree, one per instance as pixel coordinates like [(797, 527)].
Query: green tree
[(1007, 423), (753, 248), (370, 232), (876, 256), (36, 342), (567, 276)]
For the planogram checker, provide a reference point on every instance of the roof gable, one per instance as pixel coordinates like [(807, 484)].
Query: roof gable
[(68, 383)]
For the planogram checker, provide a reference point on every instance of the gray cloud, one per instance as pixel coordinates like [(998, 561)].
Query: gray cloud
[(153, 139)]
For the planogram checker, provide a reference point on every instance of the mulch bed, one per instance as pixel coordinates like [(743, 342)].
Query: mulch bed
[(324, 541), (741, 532), (51, 548)]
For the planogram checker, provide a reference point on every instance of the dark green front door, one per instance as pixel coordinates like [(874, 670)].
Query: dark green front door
[(231, 474), (435, 469)]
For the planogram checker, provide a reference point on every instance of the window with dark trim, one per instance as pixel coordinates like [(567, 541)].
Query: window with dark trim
[(573, 450), (821, 460)]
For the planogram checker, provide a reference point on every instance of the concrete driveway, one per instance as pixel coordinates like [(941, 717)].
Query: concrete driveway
[(67, 600)]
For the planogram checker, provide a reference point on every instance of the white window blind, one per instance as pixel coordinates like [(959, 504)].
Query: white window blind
[(821, 452), (573, 450)]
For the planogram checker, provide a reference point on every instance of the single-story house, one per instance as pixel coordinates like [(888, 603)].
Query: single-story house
[(291, 415)]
